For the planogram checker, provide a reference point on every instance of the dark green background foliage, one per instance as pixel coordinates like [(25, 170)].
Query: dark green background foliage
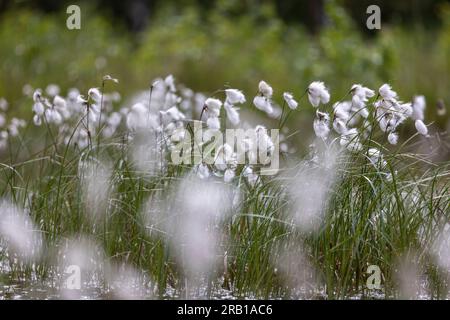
[(209, 44)]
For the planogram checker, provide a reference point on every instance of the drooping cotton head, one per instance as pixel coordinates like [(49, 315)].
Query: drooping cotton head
[(95, 94), (290, 101), (393, 138), (421, 127), (361, 92), (318, 93), (37, 95), (265, 89), (232, 114), (251, 176), (234, 96), (342, 110), (321, 125), (339, 126), (169, 82), (386, 92), (263, 104), (213, 107), (38, 108)]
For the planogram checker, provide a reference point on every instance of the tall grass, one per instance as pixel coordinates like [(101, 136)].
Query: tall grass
[(367, 214)]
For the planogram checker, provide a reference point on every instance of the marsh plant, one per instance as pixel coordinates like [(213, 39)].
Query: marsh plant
[(90, 183)]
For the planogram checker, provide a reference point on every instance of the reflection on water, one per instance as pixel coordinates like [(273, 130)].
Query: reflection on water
[(14, 290)]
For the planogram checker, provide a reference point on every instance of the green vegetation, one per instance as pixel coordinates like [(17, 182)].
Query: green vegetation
[(373, 214)]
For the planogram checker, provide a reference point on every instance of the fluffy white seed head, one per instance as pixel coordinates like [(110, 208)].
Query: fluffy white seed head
[(265, 89), (421, 127), (213, 106), (289, 98), (393, 138), (37, 95), (339, 126), (213, 123), (38, 108), (234, 96), (362, 92), (386, 92), (262, 103), (232, 114), (95, 94), (321, 125), (318, 93)]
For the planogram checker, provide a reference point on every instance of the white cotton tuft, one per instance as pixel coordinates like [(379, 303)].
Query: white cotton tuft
[(362, 92), (262, 103), (289, 98), (318, 93), (321, 125), (265, 89), (386, 92), (169, 82), (232, 114), (95, 94), (37, 95), (421, 127), (393, 138), (249, 174), (38, 108), (213, 123), (234, 96), (339, 126), (213, 106), (59, 102), (342, 110)]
